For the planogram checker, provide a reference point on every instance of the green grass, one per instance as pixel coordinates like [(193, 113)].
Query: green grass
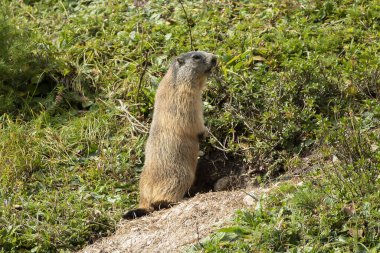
[(295, 78), (301, 219), (64, 184)]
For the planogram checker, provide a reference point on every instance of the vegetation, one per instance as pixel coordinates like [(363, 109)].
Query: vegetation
[(296, 79), (301, 219)]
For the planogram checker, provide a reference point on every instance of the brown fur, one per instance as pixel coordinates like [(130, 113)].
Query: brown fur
[(172, 147)]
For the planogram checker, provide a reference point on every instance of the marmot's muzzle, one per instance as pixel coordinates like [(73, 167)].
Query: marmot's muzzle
[(212, 64), (213, 61)]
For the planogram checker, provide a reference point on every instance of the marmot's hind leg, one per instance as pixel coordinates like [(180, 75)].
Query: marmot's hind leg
[(136, 213), (139, 212)]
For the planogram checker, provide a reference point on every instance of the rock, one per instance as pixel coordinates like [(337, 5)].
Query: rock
[(249, 199), (223, 184)]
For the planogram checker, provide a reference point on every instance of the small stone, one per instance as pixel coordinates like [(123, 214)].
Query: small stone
[(249, 201), (222, 184), (17, 207)]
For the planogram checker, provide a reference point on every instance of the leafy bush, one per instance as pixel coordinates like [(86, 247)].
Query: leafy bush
[(354, 146)]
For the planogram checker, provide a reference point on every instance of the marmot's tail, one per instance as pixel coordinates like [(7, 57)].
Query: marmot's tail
[(136, 213)]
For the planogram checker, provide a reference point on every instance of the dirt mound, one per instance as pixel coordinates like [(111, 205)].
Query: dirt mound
[(174, 229)]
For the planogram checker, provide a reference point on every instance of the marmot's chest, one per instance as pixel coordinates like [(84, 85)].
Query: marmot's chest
[(190, 113), (179, 102)]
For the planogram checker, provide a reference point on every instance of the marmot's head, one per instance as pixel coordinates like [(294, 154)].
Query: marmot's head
[(193, 67)]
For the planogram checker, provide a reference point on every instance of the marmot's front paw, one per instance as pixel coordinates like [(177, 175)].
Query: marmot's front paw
[(204, 134)]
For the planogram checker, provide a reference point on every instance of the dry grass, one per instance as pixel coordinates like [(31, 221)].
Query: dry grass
[(173, 229)]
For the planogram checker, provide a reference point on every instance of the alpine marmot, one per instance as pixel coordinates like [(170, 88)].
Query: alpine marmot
[(172, 148)]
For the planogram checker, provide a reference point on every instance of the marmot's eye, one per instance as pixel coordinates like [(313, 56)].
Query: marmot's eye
[(197, 57)]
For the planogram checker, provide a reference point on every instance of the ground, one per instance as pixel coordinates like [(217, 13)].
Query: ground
[(174, 229), (177, 228)]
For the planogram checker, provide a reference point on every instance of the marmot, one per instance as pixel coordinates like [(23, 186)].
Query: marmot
[(172, 148)]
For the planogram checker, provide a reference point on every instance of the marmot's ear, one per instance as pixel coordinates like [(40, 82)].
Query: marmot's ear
[(180, 61)]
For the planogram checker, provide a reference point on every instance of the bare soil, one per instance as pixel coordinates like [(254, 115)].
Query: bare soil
[(175, 229)]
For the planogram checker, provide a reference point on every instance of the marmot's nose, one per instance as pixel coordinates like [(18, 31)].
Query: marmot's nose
[(213, 60)]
